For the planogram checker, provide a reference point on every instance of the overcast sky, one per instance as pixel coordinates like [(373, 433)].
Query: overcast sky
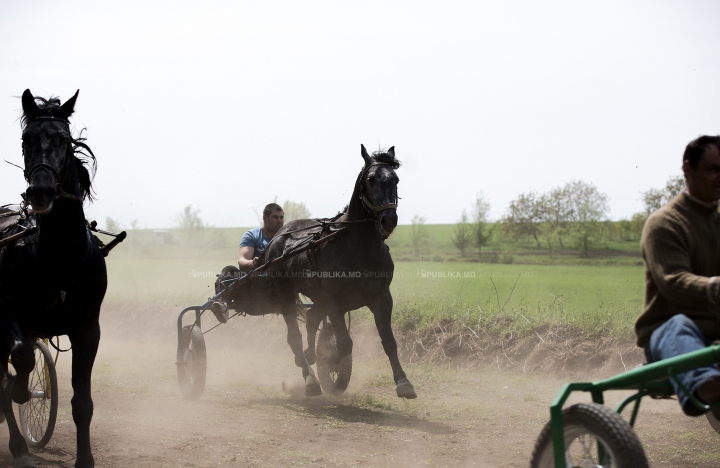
[(227, 105)]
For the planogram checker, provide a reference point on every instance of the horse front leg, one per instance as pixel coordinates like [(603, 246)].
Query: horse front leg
[(382, 311), (22, 355), (294, 339), (84, 347), (18, 447)]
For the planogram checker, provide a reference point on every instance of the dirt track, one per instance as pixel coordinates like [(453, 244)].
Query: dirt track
[(253, 412)]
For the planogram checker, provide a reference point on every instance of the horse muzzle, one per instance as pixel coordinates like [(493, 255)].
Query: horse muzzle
[(41, 193), (387, 221)]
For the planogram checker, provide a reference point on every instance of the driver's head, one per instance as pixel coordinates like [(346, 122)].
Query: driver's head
[(273, 218), (701, 166)]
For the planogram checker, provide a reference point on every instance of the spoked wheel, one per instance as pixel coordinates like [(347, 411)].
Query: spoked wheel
[(192, 363), (334, 378), (595, 436), (37, 416)]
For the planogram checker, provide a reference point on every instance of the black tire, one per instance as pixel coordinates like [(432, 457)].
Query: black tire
[(584, 427), (192, 363), (334, 378), (37, 416)]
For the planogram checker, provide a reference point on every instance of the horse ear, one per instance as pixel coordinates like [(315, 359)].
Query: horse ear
[(30, 108), (391, 152), (68, 108), (364, 154)]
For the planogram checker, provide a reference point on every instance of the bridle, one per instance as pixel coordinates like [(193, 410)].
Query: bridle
[(59, 175), (373, 209)]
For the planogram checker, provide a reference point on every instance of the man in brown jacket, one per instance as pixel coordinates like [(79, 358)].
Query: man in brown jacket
[(681, 247)]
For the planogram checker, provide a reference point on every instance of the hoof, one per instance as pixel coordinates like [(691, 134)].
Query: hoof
[(24, 461), (18, 394), (85, 462), (312, 385), (405, 389)]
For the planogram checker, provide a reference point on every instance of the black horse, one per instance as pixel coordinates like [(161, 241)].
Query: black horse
[(53, 282), (348, 272)]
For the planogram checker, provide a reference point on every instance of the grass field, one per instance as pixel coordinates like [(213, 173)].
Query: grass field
[(439, 247)]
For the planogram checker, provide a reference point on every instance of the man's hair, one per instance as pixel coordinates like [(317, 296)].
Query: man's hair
[(270, 208), (696, 148)]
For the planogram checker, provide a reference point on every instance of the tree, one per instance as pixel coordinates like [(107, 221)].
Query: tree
[(295, 210), (588, 208), (112, 225), (189, 220), (556, 211), (637, 222), (481, 227), (419, 234), (462, 235), (524, 216), (655, 198)]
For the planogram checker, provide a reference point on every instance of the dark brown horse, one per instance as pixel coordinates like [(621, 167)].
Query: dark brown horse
[(351, 271), (52, 282)]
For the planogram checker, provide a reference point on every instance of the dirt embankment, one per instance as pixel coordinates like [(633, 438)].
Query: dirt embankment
[(560, 351)]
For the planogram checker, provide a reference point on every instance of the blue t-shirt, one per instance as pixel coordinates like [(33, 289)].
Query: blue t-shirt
[(256, 239)]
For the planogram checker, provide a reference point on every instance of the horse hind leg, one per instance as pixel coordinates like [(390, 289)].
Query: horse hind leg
[(312, 321), (294, 339)]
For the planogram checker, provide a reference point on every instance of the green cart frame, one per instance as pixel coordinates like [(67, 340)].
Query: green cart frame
[(602, 434)]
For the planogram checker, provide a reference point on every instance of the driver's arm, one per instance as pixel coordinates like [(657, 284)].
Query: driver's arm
[(247, 262)]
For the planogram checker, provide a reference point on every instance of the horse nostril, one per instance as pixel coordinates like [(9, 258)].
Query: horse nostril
[(29, 192), (50, 192)]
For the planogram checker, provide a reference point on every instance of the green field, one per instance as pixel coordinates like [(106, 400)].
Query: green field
[(610, 251), (598, 298), (439, 248)]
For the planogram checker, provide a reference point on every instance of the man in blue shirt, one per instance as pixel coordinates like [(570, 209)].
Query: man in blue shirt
[(252, 246), (255, 241)]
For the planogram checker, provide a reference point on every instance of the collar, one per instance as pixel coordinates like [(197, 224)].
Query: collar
[(698, 201)]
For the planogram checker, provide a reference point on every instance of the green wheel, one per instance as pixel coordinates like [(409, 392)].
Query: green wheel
[(589, 429), (714, 423)]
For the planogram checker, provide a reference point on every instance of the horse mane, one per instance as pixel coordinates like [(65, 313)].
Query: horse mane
[(84, 158), (383, 157), (49, 106), (81, 154)]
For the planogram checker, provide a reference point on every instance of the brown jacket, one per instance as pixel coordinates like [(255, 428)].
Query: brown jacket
[(681, 247)]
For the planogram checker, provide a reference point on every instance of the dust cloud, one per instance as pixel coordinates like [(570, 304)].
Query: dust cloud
[(254, 413)]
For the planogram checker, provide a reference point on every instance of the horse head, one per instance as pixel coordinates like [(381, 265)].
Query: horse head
[(49, 151), (378, 188)]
